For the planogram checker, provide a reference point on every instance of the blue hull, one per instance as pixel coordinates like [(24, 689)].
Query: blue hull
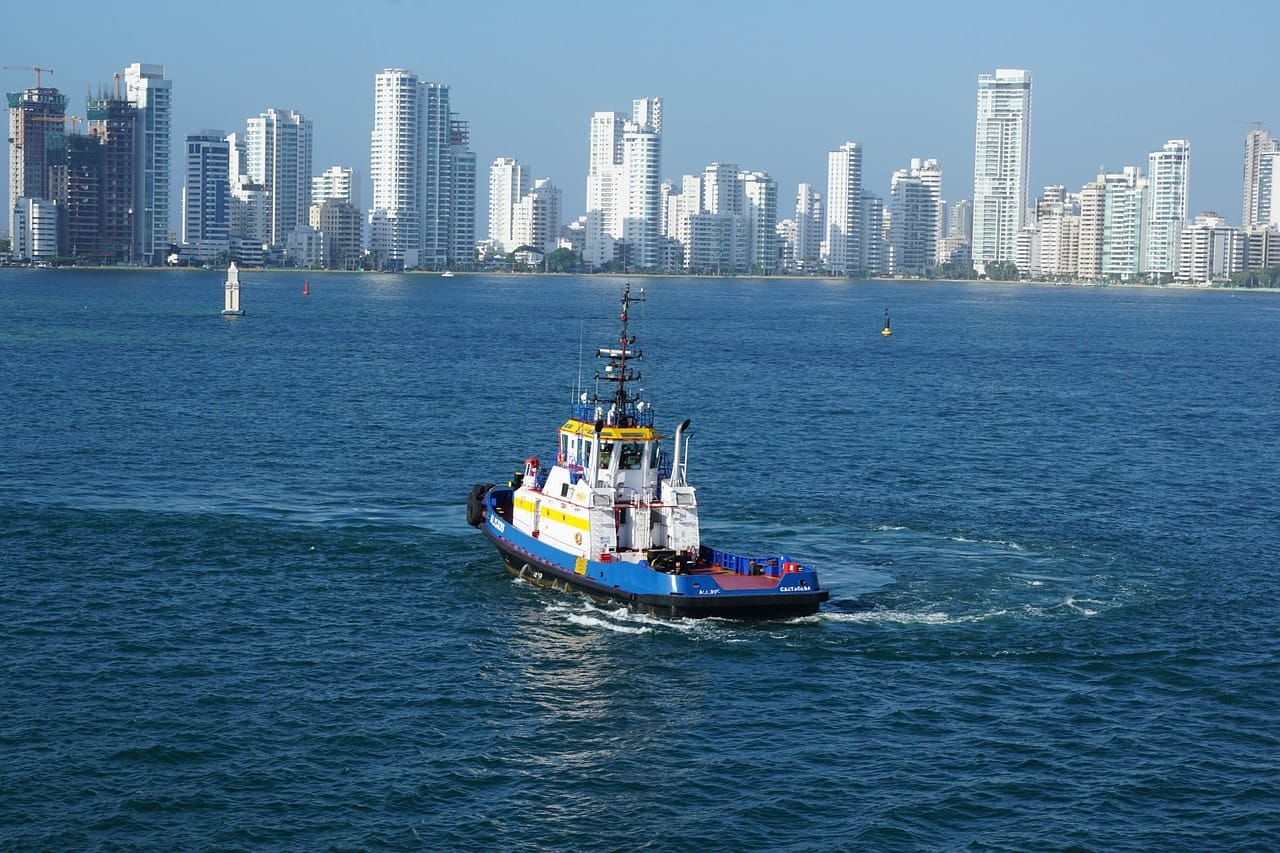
[(693, 594)]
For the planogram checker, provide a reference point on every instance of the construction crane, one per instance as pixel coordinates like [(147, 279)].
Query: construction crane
[(35, 68), (74, 121)]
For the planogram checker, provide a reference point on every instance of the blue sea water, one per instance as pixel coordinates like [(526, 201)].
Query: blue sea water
[(240, 608)]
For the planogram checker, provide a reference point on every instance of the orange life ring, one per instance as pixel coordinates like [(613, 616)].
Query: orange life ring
[(560, 458), (577, 538)]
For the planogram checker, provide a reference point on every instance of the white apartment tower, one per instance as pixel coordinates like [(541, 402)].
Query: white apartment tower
[(206, 195), (1211, 250), (536, 218), (437, 175), (1257, 197), (843, 240), (914, 217), (509, 182), (147, 88), (624, 185), (760, 193), (809, 225), (1167, 174), (1001, 159), (423, 175), (642, 174), (336, 183), (395, 170), (278, 157)]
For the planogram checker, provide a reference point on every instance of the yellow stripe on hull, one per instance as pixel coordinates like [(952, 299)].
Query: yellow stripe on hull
[(565, 518)]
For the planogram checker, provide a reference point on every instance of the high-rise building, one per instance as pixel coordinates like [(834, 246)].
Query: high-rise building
[(760, 193), (206, 196), (1257, 198), (278, 157), (396, 170), (462, 201), (624, 187), (1167, 174), (1001, 159), (809, 226), (843, 242), (423, 176), (915, 218), (642, 176), (152, 95), (536, 218), (437, 175), (34, 114), (1211, 251), (339, 183), (1111, 230), (75, 169), (509, 182), (114, 122)]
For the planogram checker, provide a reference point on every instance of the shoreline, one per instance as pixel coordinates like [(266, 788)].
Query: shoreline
[(651, 275)]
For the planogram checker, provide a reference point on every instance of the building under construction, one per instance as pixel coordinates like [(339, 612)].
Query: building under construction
[(114, 122), (34, 114), (75, 169)]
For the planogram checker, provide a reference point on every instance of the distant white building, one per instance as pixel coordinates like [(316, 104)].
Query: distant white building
[(336, 183), (760, 210), (305, 248), (1258, 144), (152, 94), (1166, 213), (624, 187), (809, 227), (35, 229), (843, 243), (509, 182), (915, 218), (536, 218), (1110, 231), (1001, 164), (278, 158), (396, 170), (1211, 251)]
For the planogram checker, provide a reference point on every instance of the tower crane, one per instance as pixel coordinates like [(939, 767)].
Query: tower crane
[(35, 68)]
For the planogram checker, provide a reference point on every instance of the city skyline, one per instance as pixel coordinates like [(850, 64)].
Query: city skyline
[(722, 104)]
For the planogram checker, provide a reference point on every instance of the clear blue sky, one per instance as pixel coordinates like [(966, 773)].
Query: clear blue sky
[(769, 87)]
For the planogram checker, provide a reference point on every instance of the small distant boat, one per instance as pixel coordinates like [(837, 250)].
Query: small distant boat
[(886, 331), (232, 290), (447, 274), (306, 287)]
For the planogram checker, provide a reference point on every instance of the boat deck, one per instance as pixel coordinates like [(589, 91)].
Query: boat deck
[(736, 580)]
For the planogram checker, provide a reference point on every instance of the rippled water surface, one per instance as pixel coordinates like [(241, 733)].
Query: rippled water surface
[(240, 607)]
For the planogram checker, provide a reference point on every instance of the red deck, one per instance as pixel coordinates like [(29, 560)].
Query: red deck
[(735, 580)]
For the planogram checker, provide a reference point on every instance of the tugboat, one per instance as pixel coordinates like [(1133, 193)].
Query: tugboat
[(615, 518)]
